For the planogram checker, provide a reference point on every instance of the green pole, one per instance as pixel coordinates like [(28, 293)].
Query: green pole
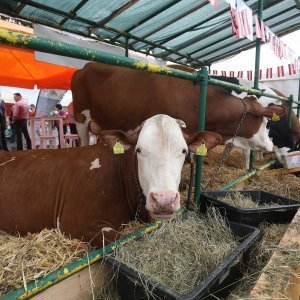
[(256, 72), (201, 125), (290, 110), (247, 175), (32, 42)]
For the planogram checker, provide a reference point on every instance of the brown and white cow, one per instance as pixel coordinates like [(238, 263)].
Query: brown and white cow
[(114, 97), (84, 191)]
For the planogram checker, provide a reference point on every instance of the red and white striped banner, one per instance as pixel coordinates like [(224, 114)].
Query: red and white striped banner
[(231, 73), (269, 73), (240, 74), (280, 71), (292, 69), (215, 72), (260, 29), (214, 3), (223, 73), (249, 75)]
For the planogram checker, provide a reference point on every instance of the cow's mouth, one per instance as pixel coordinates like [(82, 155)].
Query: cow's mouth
[(162, 215)]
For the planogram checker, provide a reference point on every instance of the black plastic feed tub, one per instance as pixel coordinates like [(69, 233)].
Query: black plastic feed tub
[(283, 212), (216, 284)]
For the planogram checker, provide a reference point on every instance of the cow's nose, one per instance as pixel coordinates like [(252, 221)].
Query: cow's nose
[(164, 198)]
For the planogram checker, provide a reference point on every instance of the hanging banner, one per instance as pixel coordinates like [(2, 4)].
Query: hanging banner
[(231, 3), (214, 3), (245, 19), (260, 28), (46, 100)]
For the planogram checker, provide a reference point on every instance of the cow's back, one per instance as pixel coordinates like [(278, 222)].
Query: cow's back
[(79, 190), (121, 98)]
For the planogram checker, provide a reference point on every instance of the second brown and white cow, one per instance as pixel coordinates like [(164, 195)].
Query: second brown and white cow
[(114, 97), (85, 191)]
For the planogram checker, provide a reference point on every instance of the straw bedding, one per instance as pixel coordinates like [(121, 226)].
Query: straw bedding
[(258, 257), (181, 253), (24, 259)]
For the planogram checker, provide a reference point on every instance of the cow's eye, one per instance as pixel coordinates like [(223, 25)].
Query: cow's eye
[(138, 150), (184, 151)]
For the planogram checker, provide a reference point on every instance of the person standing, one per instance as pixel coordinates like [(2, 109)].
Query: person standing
[(12, 125), (61, 113), (20, 116), (3, 143)]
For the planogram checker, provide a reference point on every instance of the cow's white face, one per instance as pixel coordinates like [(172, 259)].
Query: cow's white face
[(161, 150)]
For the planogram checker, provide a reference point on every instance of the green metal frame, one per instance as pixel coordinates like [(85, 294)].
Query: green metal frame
[(66, 271), (202, 78)]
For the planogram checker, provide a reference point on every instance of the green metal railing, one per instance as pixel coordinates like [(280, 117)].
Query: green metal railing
[(44, 45), (66, 271)]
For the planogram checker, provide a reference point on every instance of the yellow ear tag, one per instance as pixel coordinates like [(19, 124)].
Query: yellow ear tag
[(202, 150), (118, 148), (275, 117)]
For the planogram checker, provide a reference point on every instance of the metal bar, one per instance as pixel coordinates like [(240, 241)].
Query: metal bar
[(164, 8), (290, 110), (173, 20), (117, 12), (235, 87), (66, 271), (201, 126), (247, 175), (225, 37), (44, 45), (74, 11), (176, 34), (95, 25), (256, 71)]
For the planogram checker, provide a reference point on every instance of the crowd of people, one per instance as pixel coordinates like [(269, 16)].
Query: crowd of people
[(18, 118)]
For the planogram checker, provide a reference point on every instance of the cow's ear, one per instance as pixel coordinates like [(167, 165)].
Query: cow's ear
[(211, 140), (111, 137)]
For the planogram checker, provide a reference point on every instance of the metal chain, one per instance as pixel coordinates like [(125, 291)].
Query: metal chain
[(142, 197), (229, 145)]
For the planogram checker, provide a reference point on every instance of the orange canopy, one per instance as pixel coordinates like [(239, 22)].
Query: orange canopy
[(19, 68)]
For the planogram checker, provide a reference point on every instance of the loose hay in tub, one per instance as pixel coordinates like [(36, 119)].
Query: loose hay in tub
[(181, 253), (258, 258), (23, 259), (287, 185), (237, 199)]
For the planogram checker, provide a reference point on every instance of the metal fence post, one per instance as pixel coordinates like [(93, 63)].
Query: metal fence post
[(201, 125)]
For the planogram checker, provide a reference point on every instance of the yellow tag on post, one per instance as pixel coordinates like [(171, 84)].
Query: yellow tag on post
[(202, 150), (118, 148), (275, 117)]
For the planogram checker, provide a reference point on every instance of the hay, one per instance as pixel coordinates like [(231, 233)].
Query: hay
[(259, 256), (24, 259), (237, 199), (282, 185), (181, 253)]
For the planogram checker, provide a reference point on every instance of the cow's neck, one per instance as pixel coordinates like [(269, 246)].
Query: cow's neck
[(134, 195)]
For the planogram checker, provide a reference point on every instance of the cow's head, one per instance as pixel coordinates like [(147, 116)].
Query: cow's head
[(161, 148), (256, 125)]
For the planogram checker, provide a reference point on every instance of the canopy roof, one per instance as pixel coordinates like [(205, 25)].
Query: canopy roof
[(184, 31)]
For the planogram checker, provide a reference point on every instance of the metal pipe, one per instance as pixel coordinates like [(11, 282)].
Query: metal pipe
[(126, 47), (236, 87), (201, 126), (66, 271), (290, 110), (247, 175), (44, 45), (256, 71)]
